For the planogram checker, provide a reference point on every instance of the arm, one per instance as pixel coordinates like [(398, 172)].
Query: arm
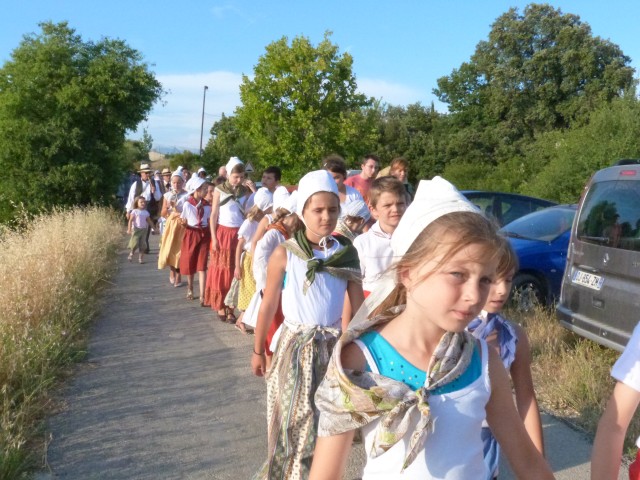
[(507, 427), (268, 307), (352, 302), (213, 219), (132, 195), (526, 401), (164, 211), (156, 191), (330, 456), (238, 270), (607, 446), (151, 225), (129, 223)]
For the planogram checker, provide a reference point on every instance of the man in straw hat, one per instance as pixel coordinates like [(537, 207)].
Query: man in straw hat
[(151, 191)]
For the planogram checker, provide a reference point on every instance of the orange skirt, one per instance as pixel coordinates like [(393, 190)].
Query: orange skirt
[(194, 250), (222, 263)]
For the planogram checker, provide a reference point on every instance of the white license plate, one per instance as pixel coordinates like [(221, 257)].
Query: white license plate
[(588, 280)]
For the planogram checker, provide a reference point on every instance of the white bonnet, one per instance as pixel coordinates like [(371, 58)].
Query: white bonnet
[(280, 197), (178, 173), (233, 161), (263, 198), (291, 204), (357, 208), (195, 184), (312, 183)]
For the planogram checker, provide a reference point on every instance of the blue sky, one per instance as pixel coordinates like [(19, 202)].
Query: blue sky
[(400, 48)]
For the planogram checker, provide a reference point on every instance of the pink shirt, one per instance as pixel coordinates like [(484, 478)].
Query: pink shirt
[(360, 184), (139, 218)]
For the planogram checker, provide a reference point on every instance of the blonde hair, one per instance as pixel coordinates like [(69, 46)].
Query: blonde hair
[(508, 261), (461, 230), (255, 213)]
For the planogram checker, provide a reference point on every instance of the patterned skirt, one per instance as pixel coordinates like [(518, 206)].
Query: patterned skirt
[(221, 266), (299, 365), (171, 242), (247, 283)]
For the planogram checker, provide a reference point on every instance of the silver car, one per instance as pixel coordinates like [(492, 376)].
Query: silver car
[(600, 297)]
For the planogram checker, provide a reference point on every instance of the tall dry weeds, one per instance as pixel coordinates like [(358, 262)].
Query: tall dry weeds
[(50, 272)]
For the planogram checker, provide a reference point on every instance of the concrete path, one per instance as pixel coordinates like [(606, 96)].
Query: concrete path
[(166, 393)]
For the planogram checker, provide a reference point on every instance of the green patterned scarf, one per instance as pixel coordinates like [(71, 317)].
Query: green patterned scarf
[(342, 264), (229, 192), (349, 399)]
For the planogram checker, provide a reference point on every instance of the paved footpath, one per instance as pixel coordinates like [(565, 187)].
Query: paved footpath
[(166, 393)]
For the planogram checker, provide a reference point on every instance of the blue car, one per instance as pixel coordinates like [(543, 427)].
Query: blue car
[(541, 241)]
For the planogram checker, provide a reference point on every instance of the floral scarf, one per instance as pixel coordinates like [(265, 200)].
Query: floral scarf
[(350, 399), (342, 264)]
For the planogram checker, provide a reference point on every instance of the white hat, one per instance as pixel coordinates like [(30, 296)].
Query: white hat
[(434, 198), (233, 161), (291, 204), (202, 170), (178, 173), (312, 183), (357, 208), (195, 183), (280, 197), (263, 199), (144, 167)]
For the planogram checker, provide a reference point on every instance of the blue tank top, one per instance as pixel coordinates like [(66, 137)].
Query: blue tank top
[(393, 365)]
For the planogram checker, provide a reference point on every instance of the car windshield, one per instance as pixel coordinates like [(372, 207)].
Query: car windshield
[(545, 225)]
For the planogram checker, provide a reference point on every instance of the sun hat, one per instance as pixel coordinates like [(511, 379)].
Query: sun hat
[(166, 171), (145, 167), (263, 198), (233, 161), (357, 208), (312, 183)]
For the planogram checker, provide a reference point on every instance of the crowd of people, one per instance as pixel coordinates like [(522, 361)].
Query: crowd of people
[(375, 310)]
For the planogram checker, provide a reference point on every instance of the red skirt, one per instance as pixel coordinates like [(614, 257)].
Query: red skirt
[(278, 318), (221, 266), (194, 250)]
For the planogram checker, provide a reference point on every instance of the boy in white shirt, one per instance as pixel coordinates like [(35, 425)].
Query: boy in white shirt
[(387, 201)]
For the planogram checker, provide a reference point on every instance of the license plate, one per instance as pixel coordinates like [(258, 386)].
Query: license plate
[(588, 280)]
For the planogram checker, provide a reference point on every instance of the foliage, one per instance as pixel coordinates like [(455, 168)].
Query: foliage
[(65, 106), (44, 316), (301, 105), (185, 159), (537, 72), (226, 141)]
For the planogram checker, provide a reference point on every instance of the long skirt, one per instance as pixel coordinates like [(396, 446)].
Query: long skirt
[(299, 365), (171, 242), (194, 251), (138, 239), (247, 283), (221, 266)]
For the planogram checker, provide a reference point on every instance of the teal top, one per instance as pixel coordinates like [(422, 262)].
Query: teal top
[(393, 365)]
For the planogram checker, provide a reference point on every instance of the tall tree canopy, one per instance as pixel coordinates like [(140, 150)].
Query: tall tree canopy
[(65, 106), (302, 104), (539, 71)]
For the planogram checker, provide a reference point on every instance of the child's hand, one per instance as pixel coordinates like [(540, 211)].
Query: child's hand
[(214, 245), (129, 231), (237, 273)]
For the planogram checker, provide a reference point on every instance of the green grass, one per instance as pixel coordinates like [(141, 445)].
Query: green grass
[(52, 269)]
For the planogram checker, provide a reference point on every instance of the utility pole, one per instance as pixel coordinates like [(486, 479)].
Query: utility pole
[(204, 97)]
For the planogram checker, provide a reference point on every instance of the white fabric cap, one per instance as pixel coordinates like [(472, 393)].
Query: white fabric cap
[(280, 198), (291, 204), (434, 198), (263, 198), (195, 183), (357, 208), (202, 170), (233, 161), (312, 183), (178, 173)]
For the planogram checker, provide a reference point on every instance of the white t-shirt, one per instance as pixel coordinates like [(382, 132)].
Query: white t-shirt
[(627, 367), (190, 214), (247, 231), (375, 253), (264, 248), (180, 198)]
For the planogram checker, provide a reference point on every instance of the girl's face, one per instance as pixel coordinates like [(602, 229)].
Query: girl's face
[(176, 184), (142, 204), (339, 179), (499, 293), (209, 195), (400, 173), (321, 215), (450, 295), (235, 179)]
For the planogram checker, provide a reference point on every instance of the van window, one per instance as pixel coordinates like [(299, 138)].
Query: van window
[(610, 215)]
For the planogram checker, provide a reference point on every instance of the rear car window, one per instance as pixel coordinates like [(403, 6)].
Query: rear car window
[(610, 215)]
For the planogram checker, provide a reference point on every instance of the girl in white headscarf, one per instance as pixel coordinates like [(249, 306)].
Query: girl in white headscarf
[(173, 230), (319, 270)]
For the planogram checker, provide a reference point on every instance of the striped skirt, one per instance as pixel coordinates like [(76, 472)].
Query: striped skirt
[(222, 263)]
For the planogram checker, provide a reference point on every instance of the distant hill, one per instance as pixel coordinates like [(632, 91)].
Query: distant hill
[(170, 150)]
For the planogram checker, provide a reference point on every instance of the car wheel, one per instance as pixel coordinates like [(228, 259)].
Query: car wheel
[(527, 292)]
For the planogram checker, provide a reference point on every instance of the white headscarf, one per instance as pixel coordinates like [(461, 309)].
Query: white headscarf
[(434, 198), (233, 161), (312, 183), (195, 183), (280, 198), (356, 208), (263, 198)]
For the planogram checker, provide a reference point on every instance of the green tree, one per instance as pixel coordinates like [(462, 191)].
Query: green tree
[(185, 159), (227, 140), (537, 72), (65, 106), (301, 105)]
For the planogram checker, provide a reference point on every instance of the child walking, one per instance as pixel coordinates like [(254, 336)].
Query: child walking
[(195, 243), (319, 270), (511, 343), (408, 373), (621, 407), (139, 221)]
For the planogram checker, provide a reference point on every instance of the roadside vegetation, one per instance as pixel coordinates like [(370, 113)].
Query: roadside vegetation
[(572, 375), (52, 269)]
